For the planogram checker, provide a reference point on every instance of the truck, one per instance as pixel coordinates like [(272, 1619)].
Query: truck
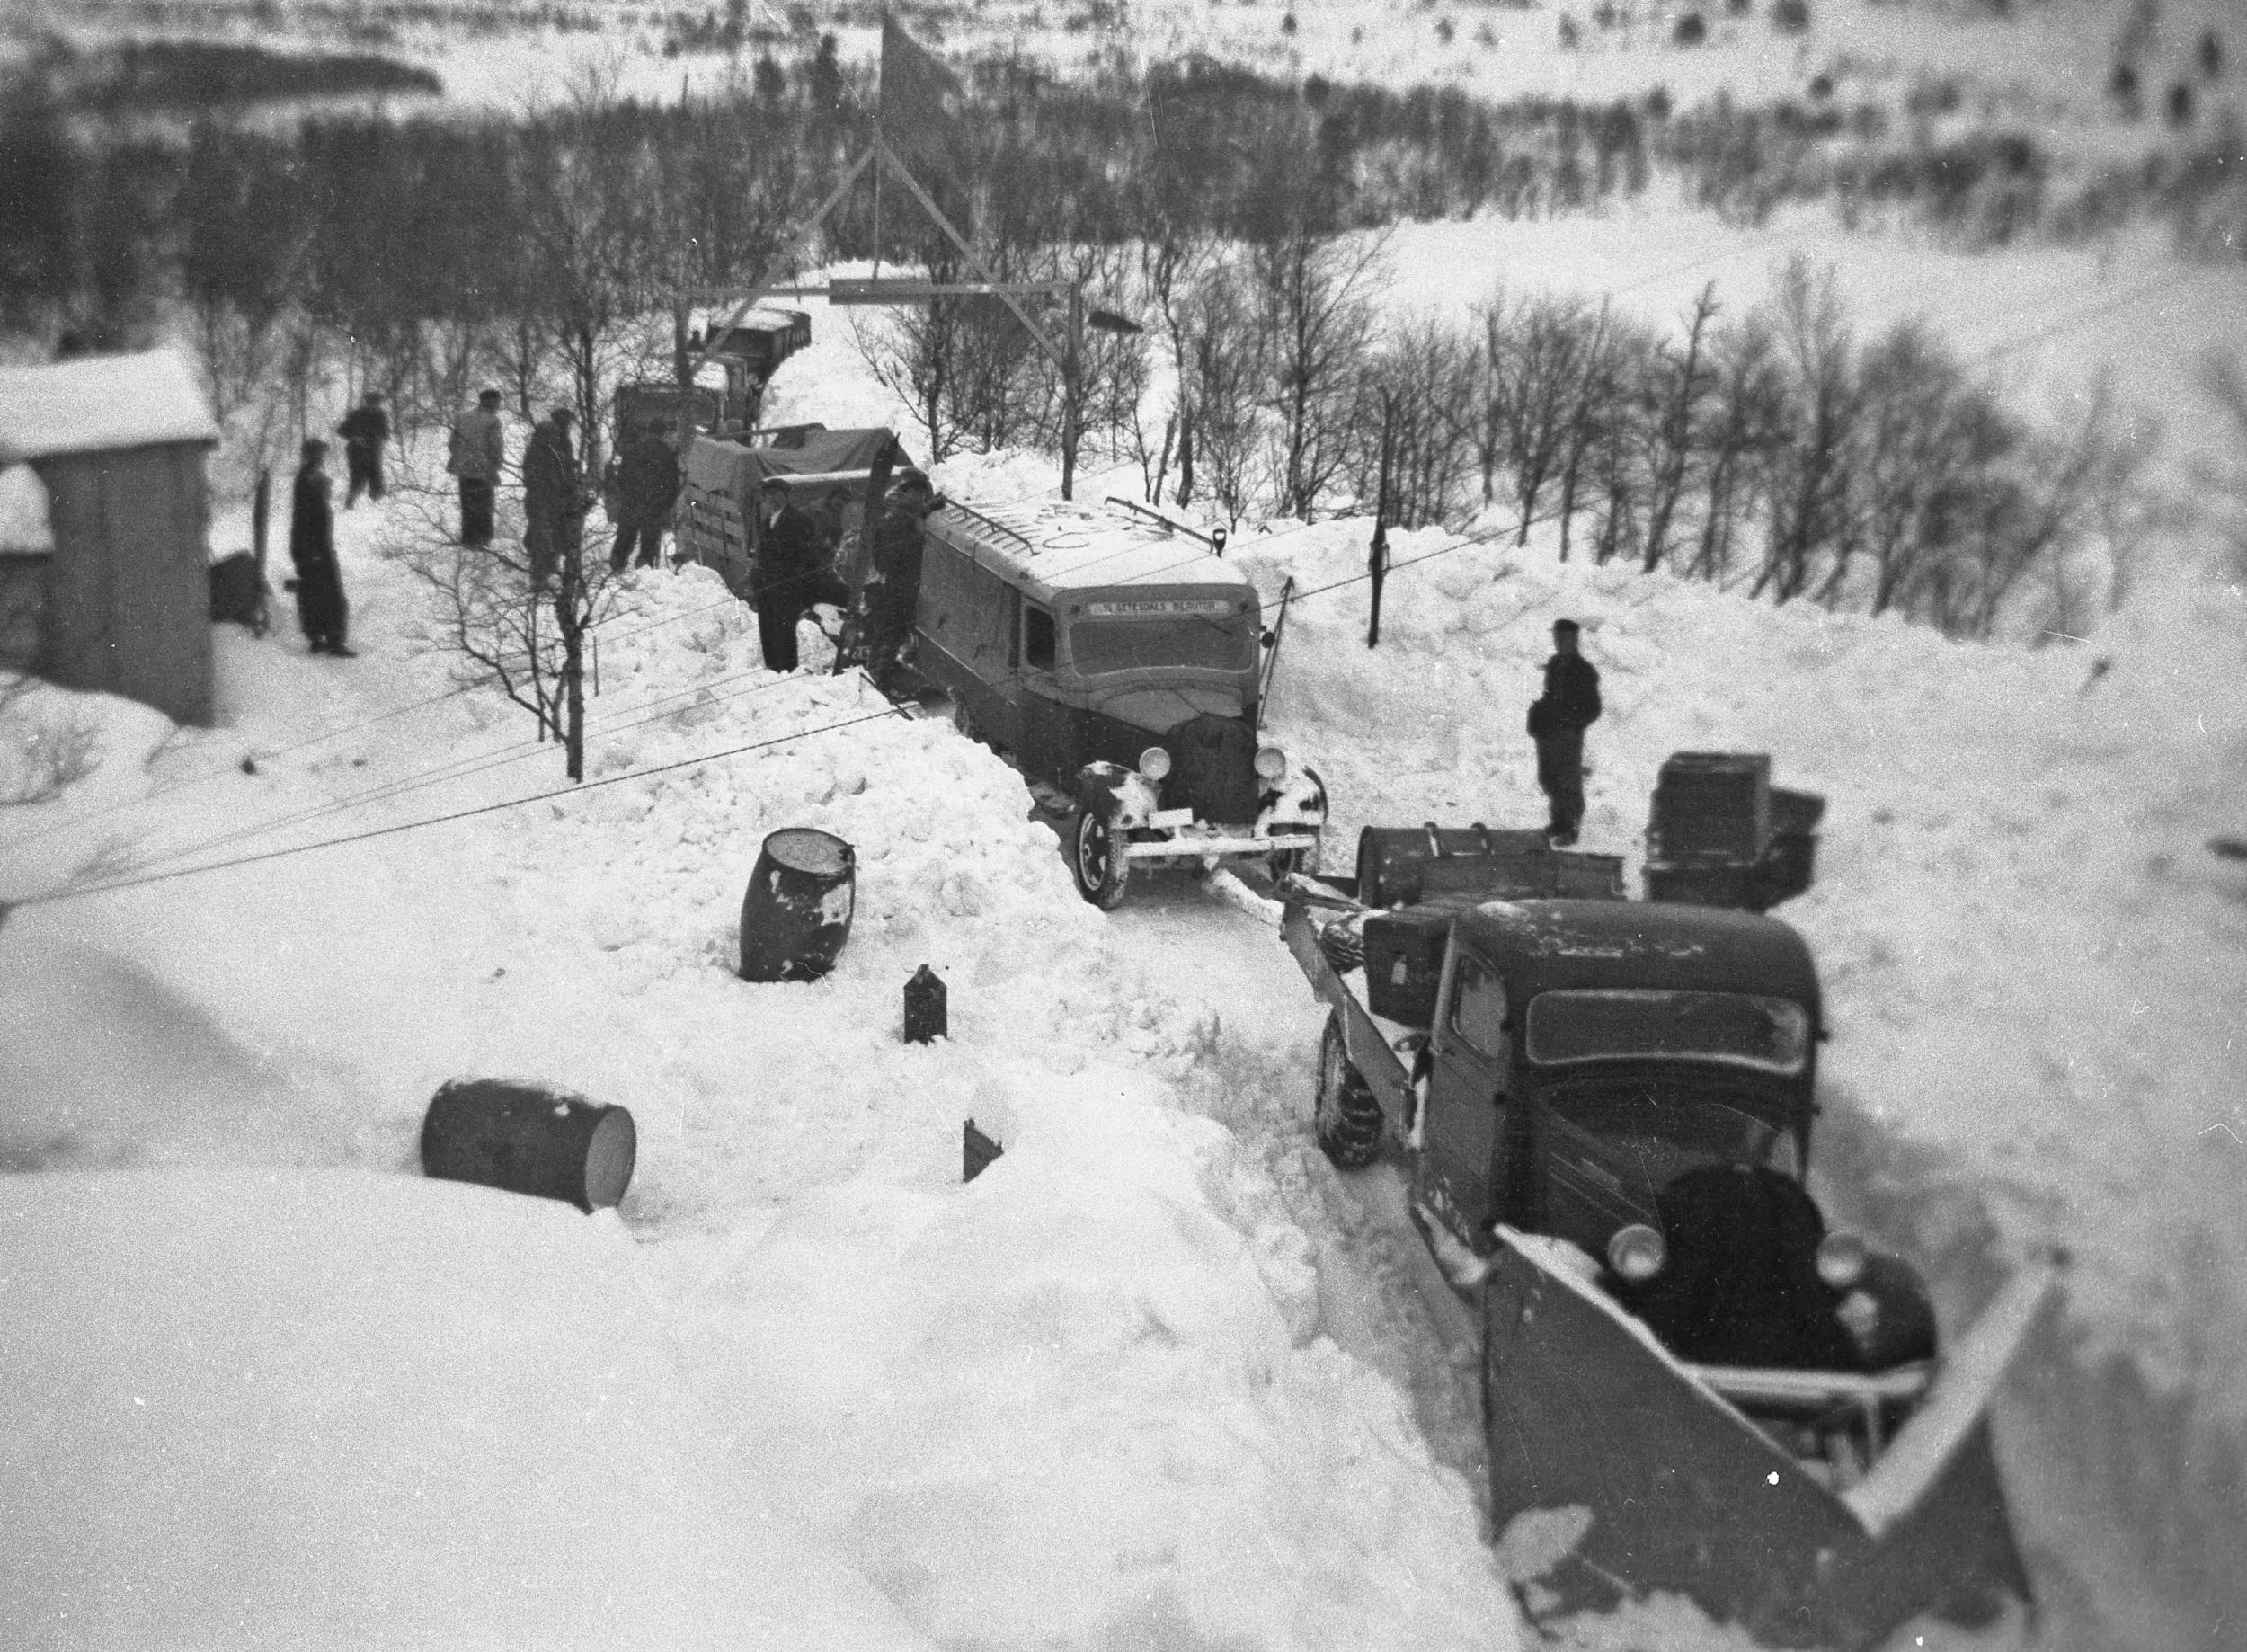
[(728, 390), (1603, 1108), (1117, 665)]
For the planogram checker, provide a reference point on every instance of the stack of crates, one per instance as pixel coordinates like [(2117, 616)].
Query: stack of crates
[(1712, 820)]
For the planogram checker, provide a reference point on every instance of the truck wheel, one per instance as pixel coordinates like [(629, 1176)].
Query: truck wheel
[(1347, 1119), (1095, 857)]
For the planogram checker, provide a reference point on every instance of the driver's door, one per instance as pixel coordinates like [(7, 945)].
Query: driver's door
[(1460, 1170)]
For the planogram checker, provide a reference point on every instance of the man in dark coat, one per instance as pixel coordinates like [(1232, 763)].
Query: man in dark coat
[(364, 430), (1556, 721), (554, 497), (321, 609), (643, 483), (785, 580), (478, 454), (895, 589)]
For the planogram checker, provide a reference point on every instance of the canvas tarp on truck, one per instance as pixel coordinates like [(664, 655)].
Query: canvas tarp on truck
[(717, 504)]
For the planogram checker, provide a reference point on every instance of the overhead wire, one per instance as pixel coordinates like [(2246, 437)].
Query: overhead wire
[(578, 789)]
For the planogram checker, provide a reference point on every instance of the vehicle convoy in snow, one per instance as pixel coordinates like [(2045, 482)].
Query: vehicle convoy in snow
[(1117, 664), (1604, 1109)]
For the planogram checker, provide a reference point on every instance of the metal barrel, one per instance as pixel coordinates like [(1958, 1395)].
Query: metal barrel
[(796, 914), (529, 1138)]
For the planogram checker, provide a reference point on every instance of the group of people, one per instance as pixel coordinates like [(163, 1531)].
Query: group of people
[(640, 484), (795, 556)]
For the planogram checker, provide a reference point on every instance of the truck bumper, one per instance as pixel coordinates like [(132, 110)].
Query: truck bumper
[(1212, 844)]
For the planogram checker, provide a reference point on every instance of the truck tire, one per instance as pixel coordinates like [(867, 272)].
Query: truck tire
[(1346, 1118), (1095, 857)]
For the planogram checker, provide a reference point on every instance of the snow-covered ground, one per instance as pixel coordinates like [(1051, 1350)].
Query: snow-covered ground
[(1153, 1380)]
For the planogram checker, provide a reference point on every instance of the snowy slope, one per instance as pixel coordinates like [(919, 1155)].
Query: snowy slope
[(1149, 1381)]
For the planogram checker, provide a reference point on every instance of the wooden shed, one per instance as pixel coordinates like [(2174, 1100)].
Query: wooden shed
[(120, 443)]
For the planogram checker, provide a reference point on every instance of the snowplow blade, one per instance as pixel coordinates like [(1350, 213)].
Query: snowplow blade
[(1688, 1494)]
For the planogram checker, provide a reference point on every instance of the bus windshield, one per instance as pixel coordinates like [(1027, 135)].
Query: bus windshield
[(1128, 634), (1772, 1035)]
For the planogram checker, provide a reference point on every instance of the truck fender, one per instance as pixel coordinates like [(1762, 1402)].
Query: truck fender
[(1124, 795), (1299, 799)]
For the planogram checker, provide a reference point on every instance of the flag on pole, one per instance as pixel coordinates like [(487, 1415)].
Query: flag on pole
[(913, 87)]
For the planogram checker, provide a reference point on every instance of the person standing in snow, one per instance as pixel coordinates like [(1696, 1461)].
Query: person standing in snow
[(786, 577), (364, 430), (478, 454), (321, 609), (553, 499), (643, 483), (1556, 721), (895, 591)]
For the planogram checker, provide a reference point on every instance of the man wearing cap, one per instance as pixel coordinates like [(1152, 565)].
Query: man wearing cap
[(895, 591), (784, 578), (553, 505), (321, 609), (478, 454), (1556, 721)]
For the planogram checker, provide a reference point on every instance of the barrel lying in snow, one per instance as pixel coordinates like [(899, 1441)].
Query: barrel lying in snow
[(529, 1138), (795, 915)]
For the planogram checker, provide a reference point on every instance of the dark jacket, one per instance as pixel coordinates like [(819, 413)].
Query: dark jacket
[(551, 487), (643, 482), (311, 522), (365, 427), (789, 553), (321, 610), (1571, 701), (897, 556)]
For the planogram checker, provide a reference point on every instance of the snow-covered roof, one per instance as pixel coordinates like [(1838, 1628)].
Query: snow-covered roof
[(24, 527), (1063, 546), (101, 404)]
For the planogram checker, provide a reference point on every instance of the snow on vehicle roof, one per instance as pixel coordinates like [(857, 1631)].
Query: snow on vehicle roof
[(1655, 945), (763, 318), (1063, 546), (101, 404)]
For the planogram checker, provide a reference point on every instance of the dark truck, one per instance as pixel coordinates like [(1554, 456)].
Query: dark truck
[(1604, 1110)]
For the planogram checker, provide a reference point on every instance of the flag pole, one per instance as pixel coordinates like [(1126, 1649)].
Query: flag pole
[(881, 125)]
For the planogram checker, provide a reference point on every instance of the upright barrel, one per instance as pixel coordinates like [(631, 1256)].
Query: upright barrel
[(530, 1139), (797, 912)]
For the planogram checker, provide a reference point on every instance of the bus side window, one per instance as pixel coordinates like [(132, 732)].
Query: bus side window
[(1479, 1009), (1037, 638)]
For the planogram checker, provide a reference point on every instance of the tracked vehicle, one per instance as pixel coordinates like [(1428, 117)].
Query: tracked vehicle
[(1604, 1110)]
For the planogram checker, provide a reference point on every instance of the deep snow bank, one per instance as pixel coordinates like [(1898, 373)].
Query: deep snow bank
[(1087, 1397), (289, 1409)]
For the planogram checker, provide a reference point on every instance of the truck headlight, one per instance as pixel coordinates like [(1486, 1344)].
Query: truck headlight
[(1637, 1253), (1271, 763), (1154, 763), (1840, 1260)]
